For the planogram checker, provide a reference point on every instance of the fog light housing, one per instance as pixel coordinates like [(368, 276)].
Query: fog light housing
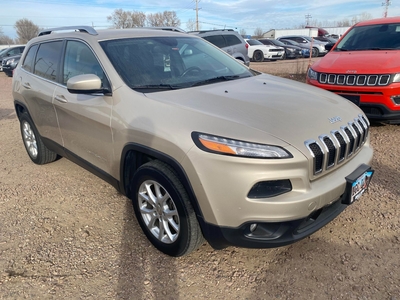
[(396, 99), (268, 189)]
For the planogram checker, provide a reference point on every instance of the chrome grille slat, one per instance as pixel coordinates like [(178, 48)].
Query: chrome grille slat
[(357, 80), (338, 146)]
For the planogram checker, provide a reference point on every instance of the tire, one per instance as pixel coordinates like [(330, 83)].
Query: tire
[(163, 210), (258, 56), (37, 151), (315, 52)]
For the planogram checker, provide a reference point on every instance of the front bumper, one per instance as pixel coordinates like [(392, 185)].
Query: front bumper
[(375, 101), (272, 235), (277, 234)]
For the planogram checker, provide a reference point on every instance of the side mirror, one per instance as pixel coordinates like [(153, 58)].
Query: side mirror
[(188, 52), (329, 47), (85, 84)]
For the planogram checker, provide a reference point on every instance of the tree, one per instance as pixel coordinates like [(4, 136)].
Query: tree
[(167, 18), (26, 30), (191, 25), (258, 32), (242, 32), (5, 40), (127, 19)]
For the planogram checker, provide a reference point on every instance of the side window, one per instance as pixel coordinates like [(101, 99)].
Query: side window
[(217, 40), (29, 59), (13, 52), (232, 40), (47, 60), (79, 59)]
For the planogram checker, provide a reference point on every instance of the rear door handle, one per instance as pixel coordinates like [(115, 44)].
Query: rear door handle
[(60, 98)]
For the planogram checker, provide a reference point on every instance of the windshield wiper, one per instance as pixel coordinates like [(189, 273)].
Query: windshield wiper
[(154, 87), (216, 79), (379, 48)]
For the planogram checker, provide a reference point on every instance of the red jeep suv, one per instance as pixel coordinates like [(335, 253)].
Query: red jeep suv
[(364, 67)]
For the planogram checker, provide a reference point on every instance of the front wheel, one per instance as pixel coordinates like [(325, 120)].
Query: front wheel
[(163, 210), (258, 56), (315, 52)]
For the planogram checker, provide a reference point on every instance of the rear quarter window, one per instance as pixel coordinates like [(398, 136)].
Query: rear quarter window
[(232, 40), (29, 59)]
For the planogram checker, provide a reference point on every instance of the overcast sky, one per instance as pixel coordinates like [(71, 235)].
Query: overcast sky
[(242, 14)]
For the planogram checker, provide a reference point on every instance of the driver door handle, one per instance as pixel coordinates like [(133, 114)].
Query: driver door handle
[(60, 98)]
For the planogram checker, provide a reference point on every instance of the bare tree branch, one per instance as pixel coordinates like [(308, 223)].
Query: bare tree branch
[(26, 30)]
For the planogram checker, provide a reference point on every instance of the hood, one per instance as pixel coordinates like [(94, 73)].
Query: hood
[(359, 62), (286, 109)]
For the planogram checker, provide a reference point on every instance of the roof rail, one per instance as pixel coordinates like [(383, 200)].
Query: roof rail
[(87, 29), (211, 30), (167, 28)]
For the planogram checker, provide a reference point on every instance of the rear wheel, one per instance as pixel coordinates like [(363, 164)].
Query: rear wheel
[(258, 56), (163, 210), (37, 151)]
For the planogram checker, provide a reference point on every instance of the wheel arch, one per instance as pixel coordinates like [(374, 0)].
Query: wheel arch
[(135, 155), (20, 108)]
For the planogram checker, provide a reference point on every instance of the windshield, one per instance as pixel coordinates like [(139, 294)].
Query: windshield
[(158, 63), (254, 42), (372, 37), (278, 43), (290, 42)]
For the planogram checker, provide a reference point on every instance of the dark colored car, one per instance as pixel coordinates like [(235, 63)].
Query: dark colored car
[(326, 39), (9, 64), (291, 51), (11, 51), (317, 47), (305, 51)]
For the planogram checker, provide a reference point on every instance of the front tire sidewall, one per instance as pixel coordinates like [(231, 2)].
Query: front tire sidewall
[(315, 52), (180, 246), (258, 56)]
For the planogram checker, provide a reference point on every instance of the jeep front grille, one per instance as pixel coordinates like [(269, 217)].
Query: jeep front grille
[(339, 145), (355, 80)]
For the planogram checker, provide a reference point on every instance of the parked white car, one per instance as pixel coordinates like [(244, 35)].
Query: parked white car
[(257, 51)]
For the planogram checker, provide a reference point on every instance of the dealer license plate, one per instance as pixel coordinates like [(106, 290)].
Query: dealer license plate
[(357, 183)]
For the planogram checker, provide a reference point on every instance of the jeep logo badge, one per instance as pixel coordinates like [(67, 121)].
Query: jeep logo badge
[(335, 119)]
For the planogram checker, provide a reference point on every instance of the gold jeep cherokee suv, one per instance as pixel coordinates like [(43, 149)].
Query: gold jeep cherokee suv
[(204, 146)]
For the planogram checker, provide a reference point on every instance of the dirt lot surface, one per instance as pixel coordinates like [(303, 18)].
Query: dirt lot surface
[(66, 234)]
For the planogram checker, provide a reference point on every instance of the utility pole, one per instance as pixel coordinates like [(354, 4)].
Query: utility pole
[(308, 17), (197, 14), (386, 5)]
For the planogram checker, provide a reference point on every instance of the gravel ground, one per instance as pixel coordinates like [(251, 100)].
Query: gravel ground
[(66, 234)]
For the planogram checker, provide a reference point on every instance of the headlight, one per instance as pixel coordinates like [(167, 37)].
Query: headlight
[(291, 49), (312, 74), (396, 77), (10, 62), (221, 145)]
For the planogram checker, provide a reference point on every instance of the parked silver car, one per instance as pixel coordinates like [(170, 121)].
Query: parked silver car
[(228, 40)]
